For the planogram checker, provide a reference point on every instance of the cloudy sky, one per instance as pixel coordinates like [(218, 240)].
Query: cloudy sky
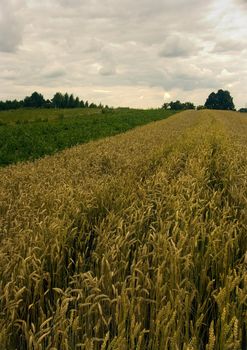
[(136, 53)]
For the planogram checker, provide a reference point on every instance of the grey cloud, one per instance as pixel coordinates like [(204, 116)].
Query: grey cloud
[(55, 73), (177, 45), (230, 46), (129, 8), (11, 24), (189, 77), (140, 20), (241, 2), (107, 70)]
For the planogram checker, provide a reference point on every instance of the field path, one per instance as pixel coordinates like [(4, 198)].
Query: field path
[(136, 241)]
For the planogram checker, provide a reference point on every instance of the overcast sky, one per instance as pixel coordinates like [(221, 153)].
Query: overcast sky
[(136, 53)]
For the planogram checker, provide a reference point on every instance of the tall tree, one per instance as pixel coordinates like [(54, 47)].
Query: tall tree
[(58, 100), (71, 103), (66, 100), (82, 104), (35, 100), (220, 100), (77, 102)]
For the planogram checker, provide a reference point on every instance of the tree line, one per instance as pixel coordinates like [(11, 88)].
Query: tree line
[(37, 100), (178, 106), (219, 100)]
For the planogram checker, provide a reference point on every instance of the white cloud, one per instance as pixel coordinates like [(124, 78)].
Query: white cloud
[(181, 48)]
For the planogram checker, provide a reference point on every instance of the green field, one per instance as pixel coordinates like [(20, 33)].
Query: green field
[(132, 242), (28, 134)]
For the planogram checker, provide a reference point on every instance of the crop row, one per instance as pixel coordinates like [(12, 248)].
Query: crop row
[(132, 242), (29, 134)]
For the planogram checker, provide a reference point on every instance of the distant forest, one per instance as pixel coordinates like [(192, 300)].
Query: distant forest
[(59, 100), (220, 100)]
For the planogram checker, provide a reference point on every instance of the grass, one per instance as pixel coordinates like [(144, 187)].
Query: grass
[(133, 242), (28, 134)]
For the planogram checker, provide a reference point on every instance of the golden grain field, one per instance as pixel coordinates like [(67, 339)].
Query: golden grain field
[(135, 242)]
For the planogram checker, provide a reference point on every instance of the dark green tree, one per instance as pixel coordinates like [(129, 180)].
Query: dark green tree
[(200, 107), (82, 104), (48, 104), (166, 105), (77, 102), (188, 105), (36, 100), (243, 110), (178, 106), (71, 102), (220, 100), (66, 100), (58, 100)]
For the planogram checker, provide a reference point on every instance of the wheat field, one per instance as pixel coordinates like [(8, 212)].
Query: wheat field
[(133, 242)]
